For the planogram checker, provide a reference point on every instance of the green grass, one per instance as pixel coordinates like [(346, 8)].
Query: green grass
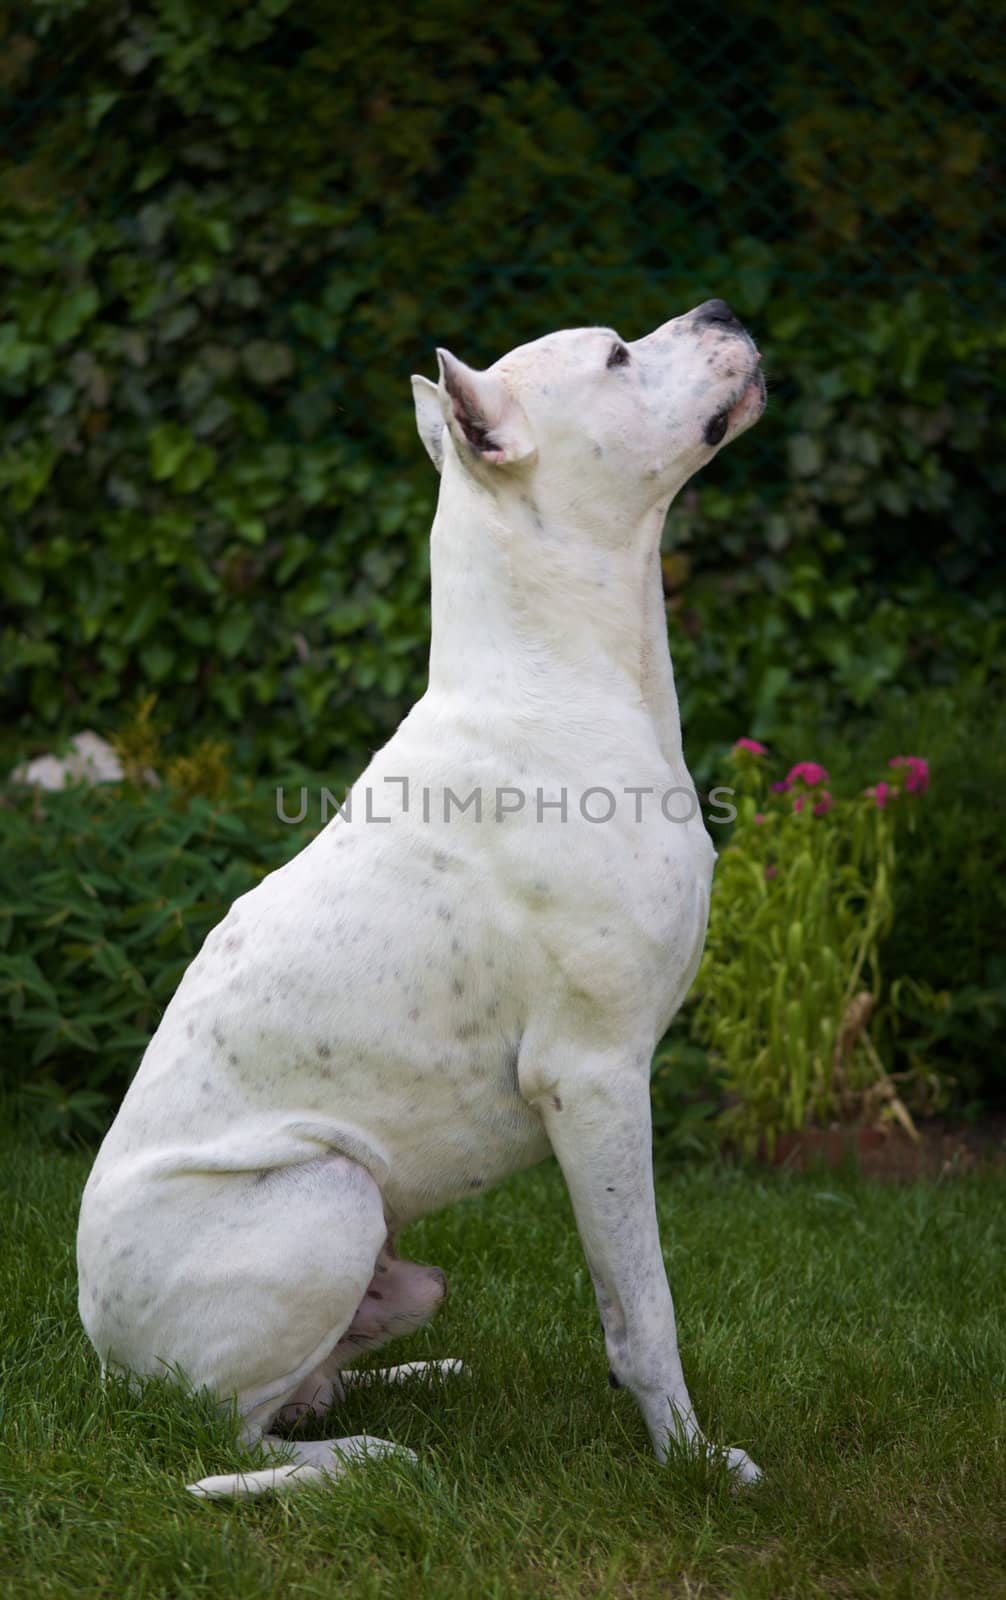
[(852, 1337)]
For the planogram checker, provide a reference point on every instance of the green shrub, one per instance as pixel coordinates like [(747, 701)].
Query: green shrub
[(790, 978), (943, 1012), (107, 895), (945, 939), (686, 1095)]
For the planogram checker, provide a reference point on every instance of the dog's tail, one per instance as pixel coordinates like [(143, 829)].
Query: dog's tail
[(312, 1460)]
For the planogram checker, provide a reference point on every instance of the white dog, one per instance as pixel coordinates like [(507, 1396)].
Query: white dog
[(472, 967)]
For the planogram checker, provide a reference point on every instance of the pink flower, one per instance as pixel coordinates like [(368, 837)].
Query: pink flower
[(823, 805), (755, 748), (758, 817), (771, 872), (809, 772), (917, 776), (882, 792)]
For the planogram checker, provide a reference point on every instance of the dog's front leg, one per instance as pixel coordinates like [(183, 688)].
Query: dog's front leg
[(597, 1113)]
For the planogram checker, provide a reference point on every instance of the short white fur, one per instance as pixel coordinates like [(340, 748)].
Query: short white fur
[(413, 1009)]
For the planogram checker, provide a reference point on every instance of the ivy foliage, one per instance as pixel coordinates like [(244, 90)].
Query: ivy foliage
[(233, 229)]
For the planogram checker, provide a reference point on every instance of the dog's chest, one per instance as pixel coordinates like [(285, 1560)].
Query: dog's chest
[(620, 910)]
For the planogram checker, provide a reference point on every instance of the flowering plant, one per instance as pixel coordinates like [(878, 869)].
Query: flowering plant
[(790, 977)]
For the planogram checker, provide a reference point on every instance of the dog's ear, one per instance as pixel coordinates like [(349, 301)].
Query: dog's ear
[(482, 414), (429, 418)]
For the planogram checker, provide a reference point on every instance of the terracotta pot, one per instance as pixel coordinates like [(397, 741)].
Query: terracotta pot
[(808, 1147)]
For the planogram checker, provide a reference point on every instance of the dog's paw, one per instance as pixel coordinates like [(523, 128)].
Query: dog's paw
[(740, 1464)]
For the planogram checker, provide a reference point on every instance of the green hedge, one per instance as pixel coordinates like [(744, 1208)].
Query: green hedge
[(234, 230)]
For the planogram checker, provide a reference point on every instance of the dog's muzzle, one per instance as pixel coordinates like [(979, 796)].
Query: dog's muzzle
[(716, 313), (715, 429)]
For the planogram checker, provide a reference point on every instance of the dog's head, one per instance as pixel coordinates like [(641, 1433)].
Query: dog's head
[(591, 417)]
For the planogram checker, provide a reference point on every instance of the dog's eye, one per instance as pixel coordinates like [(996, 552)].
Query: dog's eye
[(618, 356)]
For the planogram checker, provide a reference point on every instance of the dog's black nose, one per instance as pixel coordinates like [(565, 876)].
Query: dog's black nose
[(717, 311)]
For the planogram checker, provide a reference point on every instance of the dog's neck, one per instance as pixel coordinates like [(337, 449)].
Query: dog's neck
[(524, 609)]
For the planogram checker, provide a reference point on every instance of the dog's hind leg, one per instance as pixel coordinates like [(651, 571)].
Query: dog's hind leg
[(401, 1297), (303, 1247), (313, 1460)]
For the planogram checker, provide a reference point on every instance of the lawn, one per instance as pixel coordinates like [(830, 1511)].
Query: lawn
[(851, 1336)]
